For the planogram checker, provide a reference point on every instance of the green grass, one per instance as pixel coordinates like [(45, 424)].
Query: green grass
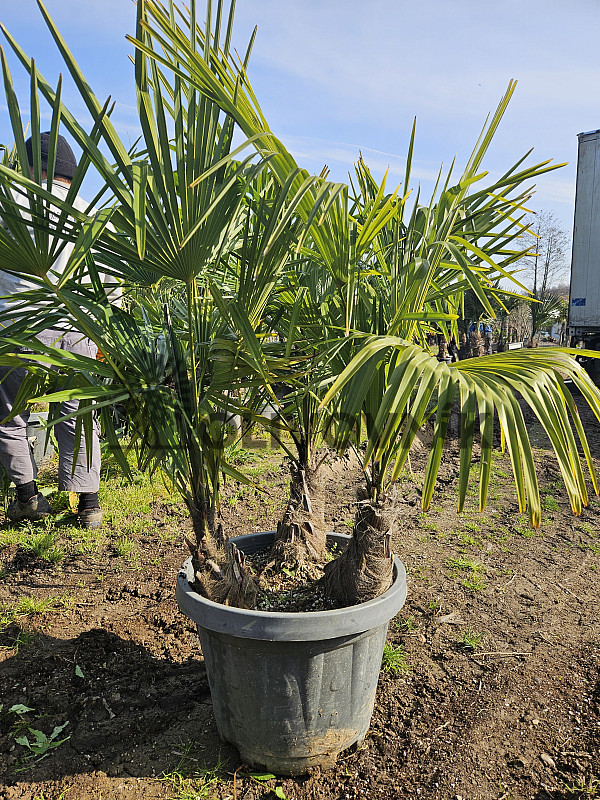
[(189, 781), (523, 528), (549, 503), (582, 788), (463, 563), (471, 639), (474, 580), (419, 573), (44, 545), (429, 526), (587, 528), (83, 540), (594, 548), (394, 660), (470, 541), (474, 583), (124, 547), (127, 507), (14, 632), (471, 526), (409, 624), (232, 499)]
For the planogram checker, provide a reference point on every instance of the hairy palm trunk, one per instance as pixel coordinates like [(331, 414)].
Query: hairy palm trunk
[(232, 584), (442, 350), (464, 351), (300, 538), (203, 523), (365, 568), (504, 335), (476, 344)]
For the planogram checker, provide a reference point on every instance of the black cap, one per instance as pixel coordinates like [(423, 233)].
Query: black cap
[(66, 163)]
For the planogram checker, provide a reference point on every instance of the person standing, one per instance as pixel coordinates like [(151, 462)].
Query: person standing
[(15, 453)]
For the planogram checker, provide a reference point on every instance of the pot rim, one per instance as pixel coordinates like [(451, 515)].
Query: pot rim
[(290, 625)]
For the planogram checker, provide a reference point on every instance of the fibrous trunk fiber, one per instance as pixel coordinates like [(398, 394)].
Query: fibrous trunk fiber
[(300, 538), (365, 568), (232, 585)]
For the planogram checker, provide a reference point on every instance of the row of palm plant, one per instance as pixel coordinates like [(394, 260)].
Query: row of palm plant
[(252, 282)]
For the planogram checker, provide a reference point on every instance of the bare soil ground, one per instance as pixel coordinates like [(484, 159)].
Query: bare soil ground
[(500, 638)]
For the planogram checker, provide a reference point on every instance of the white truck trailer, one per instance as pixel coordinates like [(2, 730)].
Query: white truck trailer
[(584, 295)]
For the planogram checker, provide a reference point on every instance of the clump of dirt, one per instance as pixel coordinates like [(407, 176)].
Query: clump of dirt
[(496, 692)]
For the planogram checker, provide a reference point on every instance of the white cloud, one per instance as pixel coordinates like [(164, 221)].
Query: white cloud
[(344, 155)]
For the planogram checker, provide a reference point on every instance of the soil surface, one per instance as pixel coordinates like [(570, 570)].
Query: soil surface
[(497, 689)]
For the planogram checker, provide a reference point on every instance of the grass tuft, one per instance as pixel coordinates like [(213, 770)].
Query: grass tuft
[(394, 660)]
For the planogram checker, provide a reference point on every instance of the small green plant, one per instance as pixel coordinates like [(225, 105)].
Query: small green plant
[(237, 454), (474, 583), (523, 528), (471, 526), (44, 546), (394, 660), (471, 639), (17, 714), (21, 638), (585, 527), (11, 616), (462, 563), (408, 624), (582, 788), (55, 555), (505, 792), (549, 503), (419, 573), (38, 605), (261, 778), (124, 547), (190, 782), (41, 744), (235, 496), (527, 533), (18, 708), (468, 540), (434, 606)]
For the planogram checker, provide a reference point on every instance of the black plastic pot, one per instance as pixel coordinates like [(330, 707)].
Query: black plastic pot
[(292, 690)]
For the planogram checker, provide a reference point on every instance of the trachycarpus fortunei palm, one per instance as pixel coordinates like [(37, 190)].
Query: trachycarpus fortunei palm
[(353, 281)]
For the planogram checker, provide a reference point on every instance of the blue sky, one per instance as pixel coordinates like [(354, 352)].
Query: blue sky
[(339, 77)]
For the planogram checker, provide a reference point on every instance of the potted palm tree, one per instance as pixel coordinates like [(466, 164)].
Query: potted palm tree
[(210, 238)]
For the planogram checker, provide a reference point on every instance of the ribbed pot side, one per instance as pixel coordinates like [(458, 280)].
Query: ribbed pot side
[(292, 690)]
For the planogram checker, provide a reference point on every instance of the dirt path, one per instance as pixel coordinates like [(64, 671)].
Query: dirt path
[(497, 694)]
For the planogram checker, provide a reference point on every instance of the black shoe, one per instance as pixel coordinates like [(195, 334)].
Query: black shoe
[(90, 517), (35, 509)]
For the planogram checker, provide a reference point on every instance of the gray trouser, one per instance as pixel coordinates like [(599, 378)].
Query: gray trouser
[(15, 452)]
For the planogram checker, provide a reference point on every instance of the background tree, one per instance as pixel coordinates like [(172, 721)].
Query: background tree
[(546, 264), (518, 321)]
